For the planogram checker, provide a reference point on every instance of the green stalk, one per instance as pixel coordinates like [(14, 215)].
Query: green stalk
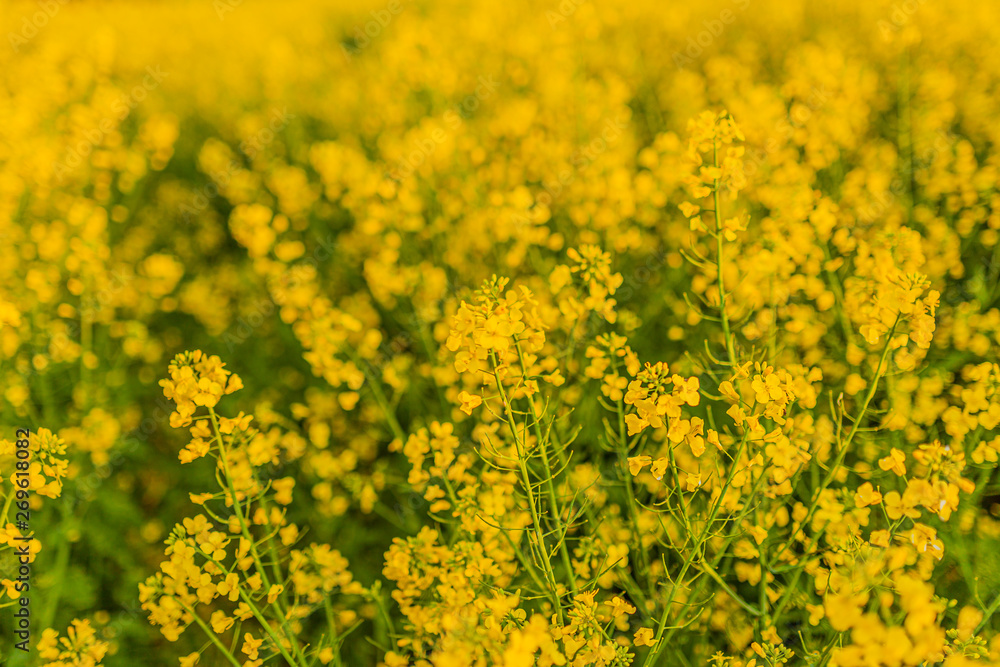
[(211, 635), (244, 528), (695, 551), (720, 262), (549, 486), (526, 481), (842, 454), (630, 490)]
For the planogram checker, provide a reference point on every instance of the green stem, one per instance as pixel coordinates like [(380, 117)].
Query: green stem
[(244, 528), (720, 261), (988, 614), (630, 491), (842, 454), (526, 481), (380, 398), (211, 635), (695, 552), (549, 485)]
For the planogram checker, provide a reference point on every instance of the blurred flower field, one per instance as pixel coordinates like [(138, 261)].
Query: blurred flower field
[(444, 334)]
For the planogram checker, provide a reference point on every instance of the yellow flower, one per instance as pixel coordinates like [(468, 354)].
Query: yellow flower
[(897, 506), (867, 495), (620, 606), (637, 463), (644, 637), (659, 467), (196, 449), (924, 538), (843, 610), (894, 462), (726, 389), (880, 538), (692, 482), (689, 210), (969, 618), (220, 622), (635, 424), (251, 645), (469, 402), (230, 586), (816, 613), (393, 659), (80, 646), (758, 533), (283, 490)]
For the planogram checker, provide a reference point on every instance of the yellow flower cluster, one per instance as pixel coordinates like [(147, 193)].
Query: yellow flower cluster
[(498, 328), (79, 648), (197, 380), (211, 558)]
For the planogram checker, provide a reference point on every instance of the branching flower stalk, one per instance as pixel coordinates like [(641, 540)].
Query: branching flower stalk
[(845, 446), (245, 529), (538, 545)]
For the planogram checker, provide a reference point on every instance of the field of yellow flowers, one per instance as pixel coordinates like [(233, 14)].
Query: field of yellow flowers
[(469, 333)]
